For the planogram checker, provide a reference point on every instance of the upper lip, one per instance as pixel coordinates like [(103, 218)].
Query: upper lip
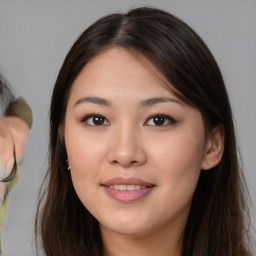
[(127, 181)]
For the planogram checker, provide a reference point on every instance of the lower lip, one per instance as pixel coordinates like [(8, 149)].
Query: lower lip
[(128, 196)]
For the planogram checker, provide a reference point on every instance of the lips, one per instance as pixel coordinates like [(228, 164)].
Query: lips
[(127, 181), (127, 190)]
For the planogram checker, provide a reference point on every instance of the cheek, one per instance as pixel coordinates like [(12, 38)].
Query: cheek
[(83, 149), (178, 161), (183, 150), (83, 171), (83, 157)]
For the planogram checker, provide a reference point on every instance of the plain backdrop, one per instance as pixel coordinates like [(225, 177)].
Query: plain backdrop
[(35, 36)]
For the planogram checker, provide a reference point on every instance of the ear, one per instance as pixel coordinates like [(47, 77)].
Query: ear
[(214, 148)]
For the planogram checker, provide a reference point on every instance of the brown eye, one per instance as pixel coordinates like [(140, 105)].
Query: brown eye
[(160, 120), (98, 120), (95, 120)]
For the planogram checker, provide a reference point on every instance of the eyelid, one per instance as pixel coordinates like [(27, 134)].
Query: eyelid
[(88, 116), (169, 118)]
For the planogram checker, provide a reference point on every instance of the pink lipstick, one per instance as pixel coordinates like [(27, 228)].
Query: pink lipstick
[(127, 190)]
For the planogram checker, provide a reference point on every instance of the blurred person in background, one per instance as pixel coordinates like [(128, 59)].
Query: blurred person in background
[(15, 123)]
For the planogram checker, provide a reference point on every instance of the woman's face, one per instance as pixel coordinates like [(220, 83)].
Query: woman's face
[(135, 150)]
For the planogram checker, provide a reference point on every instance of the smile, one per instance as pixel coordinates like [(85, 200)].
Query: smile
[(127, 190), (127, 187)]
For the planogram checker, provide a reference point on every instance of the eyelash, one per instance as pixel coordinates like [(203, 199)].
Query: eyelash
[(166, 118), (87, 117)]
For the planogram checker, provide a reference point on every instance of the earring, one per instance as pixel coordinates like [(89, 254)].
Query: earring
[(68, 165), (208, 163)]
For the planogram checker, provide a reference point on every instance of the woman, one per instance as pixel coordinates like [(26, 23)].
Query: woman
[(141, 119)]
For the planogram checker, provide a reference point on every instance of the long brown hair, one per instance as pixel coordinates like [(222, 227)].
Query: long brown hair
[(216, 223)]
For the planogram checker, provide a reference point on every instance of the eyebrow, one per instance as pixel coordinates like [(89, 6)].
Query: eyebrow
[(144, 103), (95, 100), (153, 101)]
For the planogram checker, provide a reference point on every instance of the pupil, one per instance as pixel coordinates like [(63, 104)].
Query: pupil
[(159, 120), (98, 120)]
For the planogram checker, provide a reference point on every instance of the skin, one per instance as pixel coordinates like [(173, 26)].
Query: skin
[(129, 144)]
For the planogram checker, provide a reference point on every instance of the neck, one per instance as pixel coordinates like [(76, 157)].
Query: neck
[(164, 243)]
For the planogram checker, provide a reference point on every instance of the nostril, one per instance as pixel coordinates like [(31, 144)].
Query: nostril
[(125, 163)]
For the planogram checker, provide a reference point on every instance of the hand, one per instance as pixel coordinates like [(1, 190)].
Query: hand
[(6, 156), (6, 150), (13, 137)]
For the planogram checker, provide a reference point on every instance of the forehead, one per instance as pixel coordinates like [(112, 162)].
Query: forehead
[(118, 70)]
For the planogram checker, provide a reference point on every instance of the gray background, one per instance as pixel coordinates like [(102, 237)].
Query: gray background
[(34, 39)]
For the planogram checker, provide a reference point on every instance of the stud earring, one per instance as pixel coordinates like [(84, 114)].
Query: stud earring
[(68, 165), (208, 163)]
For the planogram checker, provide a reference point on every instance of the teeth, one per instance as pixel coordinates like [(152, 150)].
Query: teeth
[(131, 187), (127, 187)]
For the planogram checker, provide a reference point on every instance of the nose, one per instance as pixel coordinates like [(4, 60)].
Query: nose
[(127, 148)]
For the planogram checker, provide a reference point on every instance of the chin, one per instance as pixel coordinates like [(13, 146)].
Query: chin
[(127, 228)]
